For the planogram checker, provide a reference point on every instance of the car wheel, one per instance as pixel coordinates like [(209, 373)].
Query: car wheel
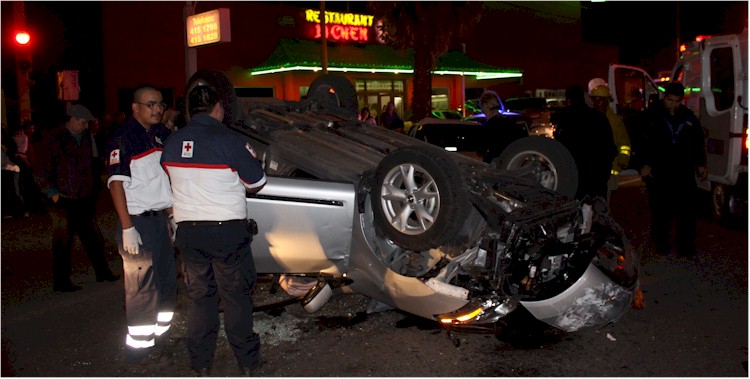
[(334, 91), (418, 200), (224, 88), (543, 160), (725, 204)]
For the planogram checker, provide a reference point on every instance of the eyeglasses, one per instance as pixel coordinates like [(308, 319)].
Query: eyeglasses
[(152, 104)]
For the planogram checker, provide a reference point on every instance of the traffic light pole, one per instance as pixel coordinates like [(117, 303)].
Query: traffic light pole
[(23, 65), (191, 54)]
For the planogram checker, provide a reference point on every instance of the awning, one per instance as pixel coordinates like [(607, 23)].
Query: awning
[(304, 55)]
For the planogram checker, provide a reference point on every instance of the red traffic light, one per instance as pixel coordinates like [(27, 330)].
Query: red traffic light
[(23, 38)]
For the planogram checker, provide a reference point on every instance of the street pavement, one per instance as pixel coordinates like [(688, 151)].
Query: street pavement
[(694, 322)]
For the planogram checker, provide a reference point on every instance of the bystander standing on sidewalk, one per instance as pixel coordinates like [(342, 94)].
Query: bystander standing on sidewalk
[(64, 172)]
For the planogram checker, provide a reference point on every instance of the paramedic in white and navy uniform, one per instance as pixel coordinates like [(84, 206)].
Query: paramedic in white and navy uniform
[(143, 202), (211, 169)]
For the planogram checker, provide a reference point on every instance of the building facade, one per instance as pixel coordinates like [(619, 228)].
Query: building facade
[(275, 51)]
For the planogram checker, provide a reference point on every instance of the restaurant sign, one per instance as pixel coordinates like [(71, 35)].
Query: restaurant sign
[(341, 26)]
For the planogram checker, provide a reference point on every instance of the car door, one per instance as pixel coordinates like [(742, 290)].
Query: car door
[(631, 88), (304, 225)]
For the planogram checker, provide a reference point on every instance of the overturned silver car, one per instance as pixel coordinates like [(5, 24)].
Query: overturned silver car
[(352, 208)]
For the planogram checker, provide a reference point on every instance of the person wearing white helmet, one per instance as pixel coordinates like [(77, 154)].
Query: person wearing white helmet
[(596, 82), (600, 98)]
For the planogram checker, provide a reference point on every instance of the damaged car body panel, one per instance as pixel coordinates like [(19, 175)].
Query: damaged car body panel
[(305, 226), (362, 209)]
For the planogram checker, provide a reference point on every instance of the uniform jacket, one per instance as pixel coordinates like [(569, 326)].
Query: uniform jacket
[(674, 146), (133, 157), (622, 141), (210, 168)]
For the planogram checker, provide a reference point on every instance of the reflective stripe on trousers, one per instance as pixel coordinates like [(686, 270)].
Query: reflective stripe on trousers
[(163, 322), (144, 336), (140, 337), (150, 280)]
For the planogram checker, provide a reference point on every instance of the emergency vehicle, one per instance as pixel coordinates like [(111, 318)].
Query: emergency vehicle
[(713, 70)]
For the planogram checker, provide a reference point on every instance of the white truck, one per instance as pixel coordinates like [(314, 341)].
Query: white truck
[(714, 73)]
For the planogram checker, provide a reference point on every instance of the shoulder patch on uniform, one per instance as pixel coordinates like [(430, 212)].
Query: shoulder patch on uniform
[(114, 157), (187, 149), (250, 149)]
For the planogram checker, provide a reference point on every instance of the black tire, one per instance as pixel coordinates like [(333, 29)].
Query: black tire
[(543, 160), (334, 91), (225, 90), (419, 201), (723, 200)]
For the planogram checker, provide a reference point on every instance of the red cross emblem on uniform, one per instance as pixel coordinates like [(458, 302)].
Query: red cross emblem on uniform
[(114, 157), (187, 149)]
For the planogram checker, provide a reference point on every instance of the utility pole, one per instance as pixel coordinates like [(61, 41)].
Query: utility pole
[(23, 61), (191, 54), (463, 86), (323, 37), (677, 28)]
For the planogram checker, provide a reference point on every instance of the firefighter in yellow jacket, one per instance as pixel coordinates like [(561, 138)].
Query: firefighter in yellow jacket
[(600, 98)]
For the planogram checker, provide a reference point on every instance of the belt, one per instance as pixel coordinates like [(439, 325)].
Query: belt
[(151, 213), (210, 223)]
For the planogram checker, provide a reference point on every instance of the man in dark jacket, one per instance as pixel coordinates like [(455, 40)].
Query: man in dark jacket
[(586, 133), (499, 130), (673, 155), (64, 172)]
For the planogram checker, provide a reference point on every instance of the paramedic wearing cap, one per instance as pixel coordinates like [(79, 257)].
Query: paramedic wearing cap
[(600, 98), (64, 171), (143, 200), (211, 170)]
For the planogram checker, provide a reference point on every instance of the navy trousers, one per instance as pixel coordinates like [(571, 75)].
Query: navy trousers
[(219, 264)]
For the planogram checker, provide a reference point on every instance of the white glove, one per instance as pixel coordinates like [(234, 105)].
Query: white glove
[(173, 225), (131, 240)]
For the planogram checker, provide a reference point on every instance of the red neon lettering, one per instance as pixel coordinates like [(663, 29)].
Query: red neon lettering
[(336, 32), (317, 31), (340, 32)]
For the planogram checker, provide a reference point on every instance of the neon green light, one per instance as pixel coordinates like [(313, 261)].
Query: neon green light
[(479, 75), (339, 69), (498, 75)]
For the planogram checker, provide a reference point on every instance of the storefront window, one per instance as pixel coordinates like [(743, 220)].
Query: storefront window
[(375, 94), (440, 98)]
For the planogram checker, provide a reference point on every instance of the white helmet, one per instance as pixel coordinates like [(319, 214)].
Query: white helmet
[(593, 83)]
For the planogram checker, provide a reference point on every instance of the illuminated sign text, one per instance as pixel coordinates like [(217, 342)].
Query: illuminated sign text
[(209, 27), (341, 26)]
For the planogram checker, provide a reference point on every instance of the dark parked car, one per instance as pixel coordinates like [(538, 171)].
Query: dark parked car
[(538, 110)]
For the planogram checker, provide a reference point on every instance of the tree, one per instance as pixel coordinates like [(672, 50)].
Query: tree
[(430, 29)]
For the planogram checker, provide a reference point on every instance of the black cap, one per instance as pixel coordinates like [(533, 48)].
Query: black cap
[(675, 88)]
